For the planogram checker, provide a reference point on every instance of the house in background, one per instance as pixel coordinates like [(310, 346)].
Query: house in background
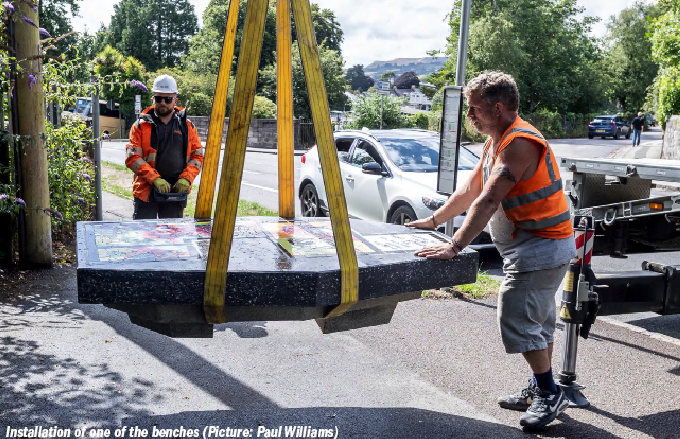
[(417, 100)]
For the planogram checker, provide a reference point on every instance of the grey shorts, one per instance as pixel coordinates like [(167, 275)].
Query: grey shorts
[(526, 309)]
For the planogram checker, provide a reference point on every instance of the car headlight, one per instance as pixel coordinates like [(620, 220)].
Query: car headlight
[(433, 203)]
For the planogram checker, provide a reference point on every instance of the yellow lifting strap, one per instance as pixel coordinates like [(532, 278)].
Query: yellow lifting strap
[(213, 145), (237, 136), (284, 110), (330, 167)]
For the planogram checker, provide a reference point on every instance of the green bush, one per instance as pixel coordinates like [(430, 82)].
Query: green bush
[(367, 112), (418, 120), (70, 175), (264, 108)]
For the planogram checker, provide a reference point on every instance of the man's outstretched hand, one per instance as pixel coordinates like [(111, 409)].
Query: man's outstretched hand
[(425, 223), (438, 251)]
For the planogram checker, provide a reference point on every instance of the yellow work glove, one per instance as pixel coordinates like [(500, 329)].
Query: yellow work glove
[(182, 185), (162, 185)]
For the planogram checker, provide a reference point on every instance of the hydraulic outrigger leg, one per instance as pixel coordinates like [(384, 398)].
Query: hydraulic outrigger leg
[(578, 310)]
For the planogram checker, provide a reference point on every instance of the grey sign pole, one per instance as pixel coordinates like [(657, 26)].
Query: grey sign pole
[(97, 155), (460, 70)]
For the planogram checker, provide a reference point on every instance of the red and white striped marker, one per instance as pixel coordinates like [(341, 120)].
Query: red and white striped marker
[(584, 246)]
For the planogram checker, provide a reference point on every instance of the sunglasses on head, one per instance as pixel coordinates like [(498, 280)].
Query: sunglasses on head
[(167, 99)]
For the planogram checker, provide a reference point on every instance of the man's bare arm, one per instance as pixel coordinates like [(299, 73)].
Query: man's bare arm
[(457, 203), (510, 166)]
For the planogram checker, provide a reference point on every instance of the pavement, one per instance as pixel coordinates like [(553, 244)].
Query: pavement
[(434, 372)]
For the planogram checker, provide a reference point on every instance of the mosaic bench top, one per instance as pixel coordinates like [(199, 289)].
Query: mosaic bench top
[(273, 262)]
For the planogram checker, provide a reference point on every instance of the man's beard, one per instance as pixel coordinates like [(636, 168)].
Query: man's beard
[(163, 111)]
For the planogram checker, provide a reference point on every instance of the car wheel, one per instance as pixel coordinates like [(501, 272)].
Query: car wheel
[(309, 201), (403, 215), (590, 136), (616, 135), (628, 135)]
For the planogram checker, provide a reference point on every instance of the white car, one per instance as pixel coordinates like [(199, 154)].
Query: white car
[(388, 176)]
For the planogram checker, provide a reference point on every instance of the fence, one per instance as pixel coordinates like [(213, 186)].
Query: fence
[(262, 132)]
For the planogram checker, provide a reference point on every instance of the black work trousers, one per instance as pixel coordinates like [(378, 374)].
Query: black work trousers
[(154, 210)]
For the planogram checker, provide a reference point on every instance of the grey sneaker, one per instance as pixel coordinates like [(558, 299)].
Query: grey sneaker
[(544, 409), (521, 400)]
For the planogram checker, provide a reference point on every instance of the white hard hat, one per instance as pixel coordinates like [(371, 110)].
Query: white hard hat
[(164, 84)]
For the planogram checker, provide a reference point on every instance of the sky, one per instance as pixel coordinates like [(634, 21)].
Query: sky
[(377, 29)]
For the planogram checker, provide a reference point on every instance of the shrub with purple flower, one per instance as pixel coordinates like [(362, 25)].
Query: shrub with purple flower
[(20, 202), (3, 197), (43, 31), (31, 81), (55, 214), (8, 7), (139, 85), (29, 21), (87, 177)]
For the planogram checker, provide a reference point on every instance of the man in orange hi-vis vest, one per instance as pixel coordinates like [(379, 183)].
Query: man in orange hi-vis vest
[(516, 189), (165, 153)]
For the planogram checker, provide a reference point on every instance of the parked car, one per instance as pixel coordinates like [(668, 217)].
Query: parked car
[(388, 176), (608, 125), (651, 121)]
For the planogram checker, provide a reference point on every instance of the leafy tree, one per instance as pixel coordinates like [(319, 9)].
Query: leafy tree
[(631, 64), (154, 31), (407, 80), (666, 51), (334, 81), (544, 44), (367, 112), (388, 76), (113, 64), (357, 78), (55, 17), (206, 47)]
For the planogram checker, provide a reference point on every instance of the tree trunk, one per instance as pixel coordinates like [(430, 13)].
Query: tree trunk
[(31, 115)]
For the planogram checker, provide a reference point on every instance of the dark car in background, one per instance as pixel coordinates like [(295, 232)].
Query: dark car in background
[(608, 125)]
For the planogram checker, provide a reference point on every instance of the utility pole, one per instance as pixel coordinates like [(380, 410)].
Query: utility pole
[(31, 115)]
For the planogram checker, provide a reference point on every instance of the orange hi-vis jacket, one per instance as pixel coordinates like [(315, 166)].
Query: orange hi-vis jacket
[(538, 204), (141, 152)]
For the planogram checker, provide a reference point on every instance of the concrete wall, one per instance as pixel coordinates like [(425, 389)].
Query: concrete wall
[(262, 132), (671, 140)]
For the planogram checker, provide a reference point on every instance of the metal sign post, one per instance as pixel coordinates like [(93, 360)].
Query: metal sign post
[(460, 82), (96, 135), (384, 88)]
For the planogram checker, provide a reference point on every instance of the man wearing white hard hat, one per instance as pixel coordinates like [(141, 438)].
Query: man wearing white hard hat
[(165, 153)]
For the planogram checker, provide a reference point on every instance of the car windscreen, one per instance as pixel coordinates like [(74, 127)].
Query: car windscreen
[(422, 155)]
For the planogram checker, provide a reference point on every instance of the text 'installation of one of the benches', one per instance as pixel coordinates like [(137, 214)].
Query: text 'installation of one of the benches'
[(278, 270)]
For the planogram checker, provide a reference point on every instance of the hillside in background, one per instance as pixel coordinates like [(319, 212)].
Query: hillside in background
[(421, 66)]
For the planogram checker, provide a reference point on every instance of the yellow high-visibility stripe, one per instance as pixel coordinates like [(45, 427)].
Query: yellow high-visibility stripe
[(330, 167), (211, 161), (284, 109), (232, 166)]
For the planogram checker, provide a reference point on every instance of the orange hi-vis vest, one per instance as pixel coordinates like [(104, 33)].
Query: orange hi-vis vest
[(141, 152), (538, 204)]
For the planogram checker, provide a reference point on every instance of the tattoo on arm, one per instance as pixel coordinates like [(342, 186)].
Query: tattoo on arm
[(504, 171)]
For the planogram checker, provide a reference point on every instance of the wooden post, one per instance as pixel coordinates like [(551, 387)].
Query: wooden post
[(31, 115), (284, 110)]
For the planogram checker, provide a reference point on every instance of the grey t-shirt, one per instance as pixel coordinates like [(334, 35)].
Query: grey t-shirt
[(171, 155), (525, 252)]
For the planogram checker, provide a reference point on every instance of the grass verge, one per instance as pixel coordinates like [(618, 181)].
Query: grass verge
[(117, 180), (484, 287)]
